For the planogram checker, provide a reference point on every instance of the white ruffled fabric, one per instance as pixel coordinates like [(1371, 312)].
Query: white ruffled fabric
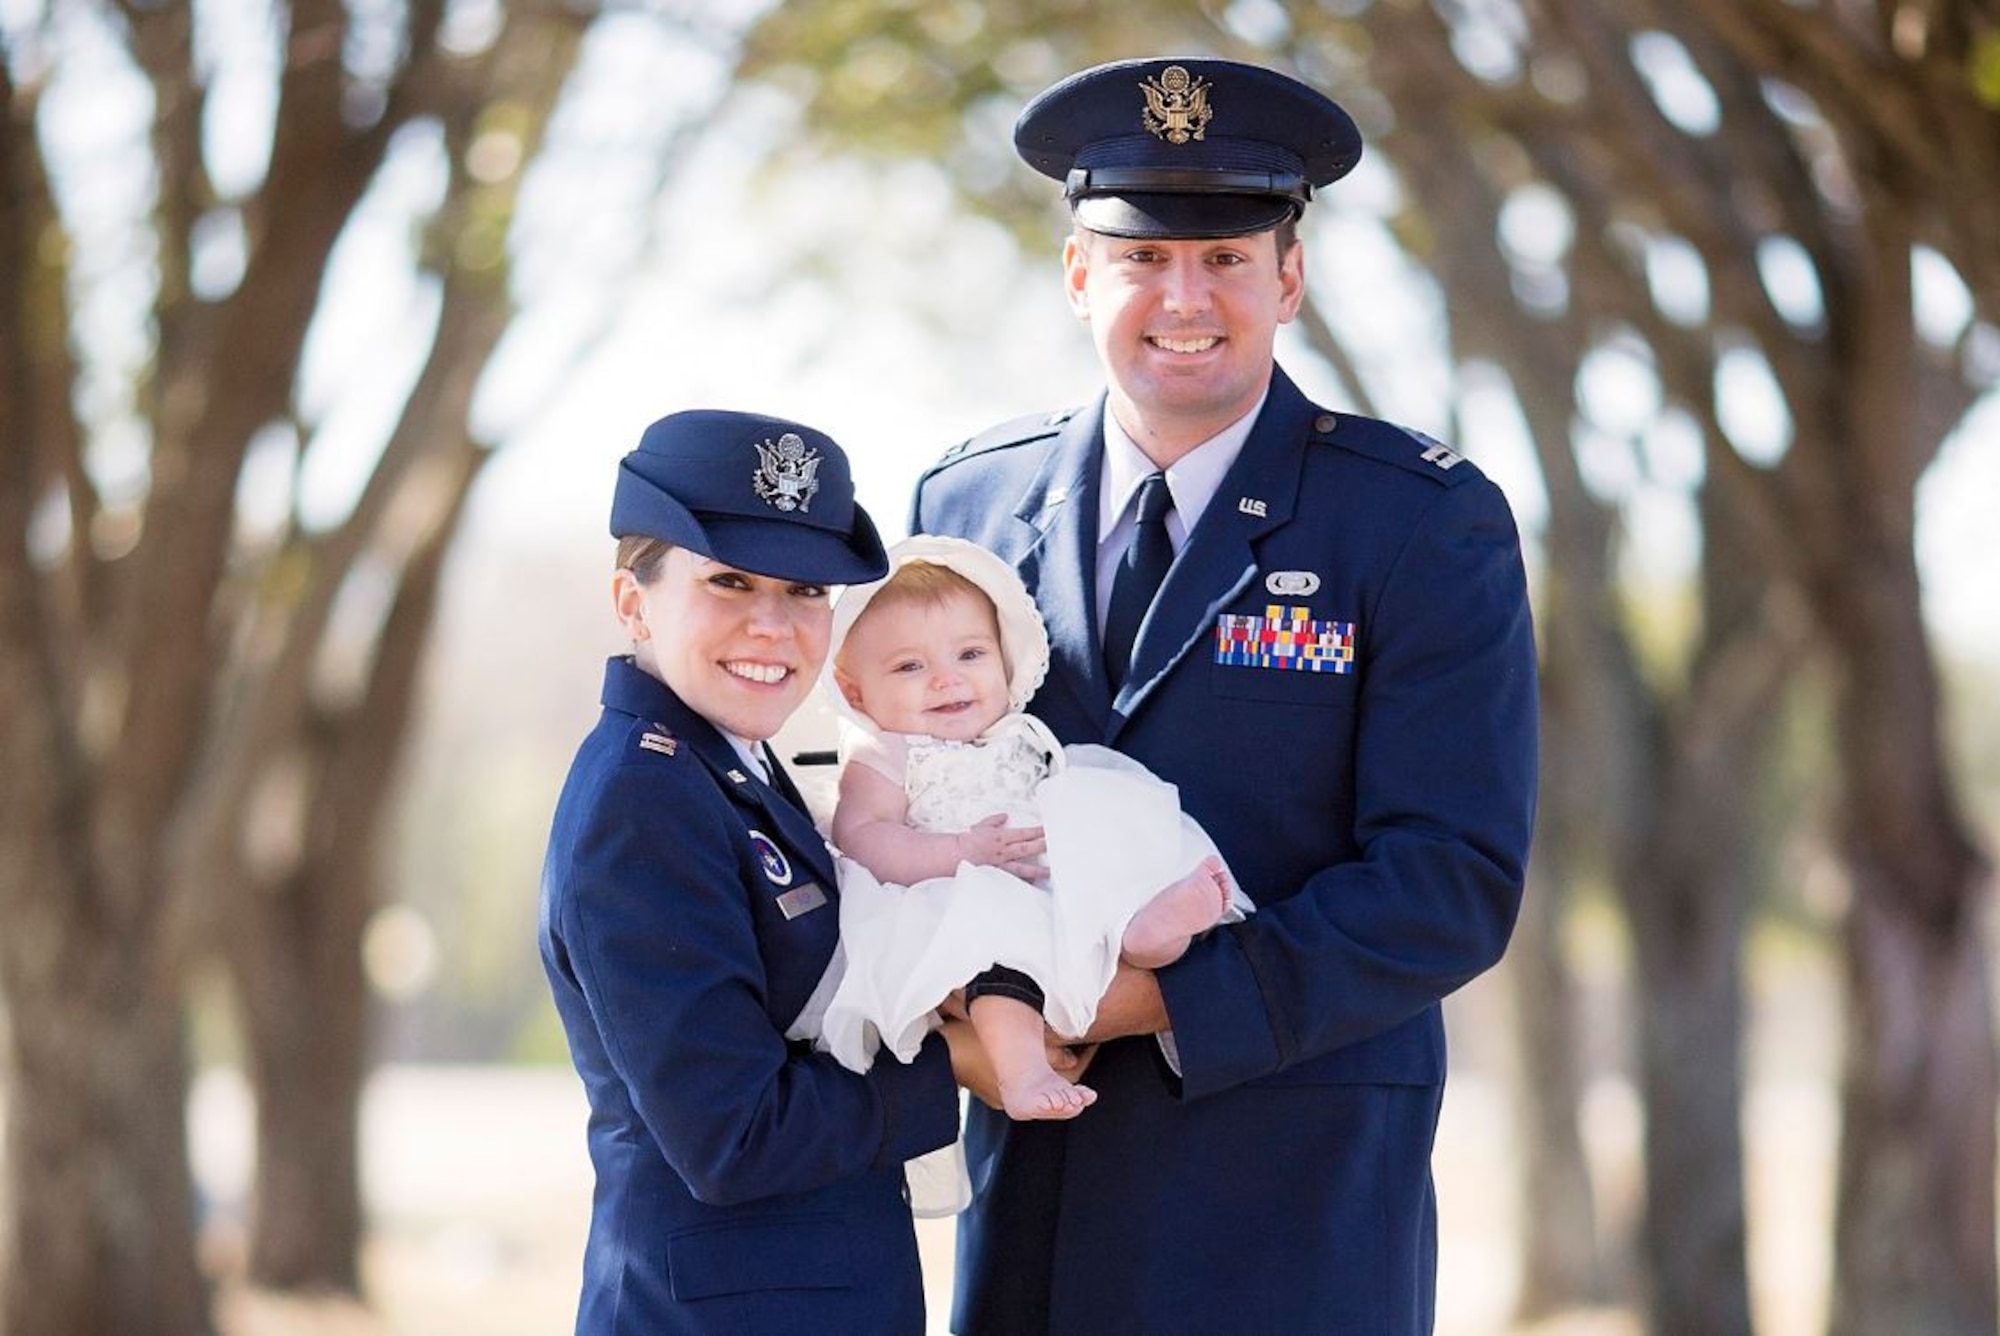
[(1116, 837)]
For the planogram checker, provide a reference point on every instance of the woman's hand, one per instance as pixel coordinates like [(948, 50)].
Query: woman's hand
[(1016, 849)]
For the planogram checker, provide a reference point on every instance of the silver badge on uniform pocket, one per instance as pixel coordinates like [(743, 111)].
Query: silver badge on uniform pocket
[(1292, 584)]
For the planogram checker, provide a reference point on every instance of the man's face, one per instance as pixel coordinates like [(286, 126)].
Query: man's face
[(1184, 328)]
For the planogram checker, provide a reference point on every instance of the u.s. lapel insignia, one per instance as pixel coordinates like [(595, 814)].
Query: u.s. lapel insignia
[(1177, 107), (777, 868), (1289, 639), (737, 777), (1292, 584), (1250, 505), (787, 473)]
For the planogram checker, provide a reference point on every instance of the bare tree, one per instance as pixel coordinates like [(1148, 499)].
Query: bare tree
[(199, 708)]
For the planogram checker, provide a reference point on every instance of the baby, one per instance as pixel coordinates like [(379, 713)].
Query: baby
[(950, 798)]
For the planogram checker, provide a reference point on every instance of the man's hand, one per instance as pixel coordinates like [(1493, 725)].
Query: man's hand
[(1131, 1005), (971, 1067)]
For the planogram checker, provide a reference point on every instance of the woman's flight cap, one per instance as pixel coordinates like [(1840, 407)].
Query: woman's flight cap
[(759, 493)]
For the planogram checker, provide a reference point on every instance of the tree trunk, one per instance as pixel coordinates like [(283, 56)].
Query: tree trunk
[(1690, 886), (1914, 1222), (298, 949), (99, 1226), (298, 968), (1562, 1263), (1914, 1227), (101, 1219), (1914, 1219), (1687, 929)]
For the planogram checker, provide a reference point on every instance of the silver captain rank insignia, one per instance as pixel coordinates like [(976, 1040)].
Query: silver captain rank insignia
[(787, 473)]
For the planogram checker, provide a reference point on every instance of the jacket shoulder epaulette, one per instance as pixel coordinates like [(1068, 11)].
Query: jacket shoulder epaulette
[(1020, 431), (1405, 447), (645, 740)]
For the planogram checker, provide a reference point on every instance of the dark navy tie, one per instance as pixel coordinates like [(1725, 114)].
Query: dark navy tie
[(1140, 573)]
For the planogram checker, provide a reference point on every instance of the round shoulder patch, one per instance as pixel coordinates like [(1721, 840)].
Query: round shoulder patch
[(777, 868)]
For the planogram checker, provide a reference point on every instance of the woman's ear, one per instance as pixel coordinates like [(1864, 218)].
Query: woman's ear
[(628, 601)]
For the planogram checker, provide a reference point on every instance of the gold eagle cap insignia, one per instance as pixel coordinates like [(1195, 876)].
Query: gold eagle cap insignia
[(1177, 107)]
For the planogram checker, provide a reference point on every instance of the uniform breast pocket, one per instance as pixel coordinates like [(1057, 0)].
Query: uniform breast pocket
[(1287, 655)]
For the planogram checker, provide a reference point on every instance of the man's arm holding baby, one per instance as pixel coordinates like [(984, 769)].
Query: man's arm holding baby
[(1131, 1005)]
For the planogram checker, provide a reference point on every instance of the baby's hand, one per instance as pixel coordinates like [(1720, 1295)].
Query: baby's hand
[(992, 843)]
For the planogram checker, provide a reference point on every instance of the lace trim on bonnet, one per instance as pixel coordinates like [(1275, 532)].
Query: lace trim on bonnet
[(1024, 641)]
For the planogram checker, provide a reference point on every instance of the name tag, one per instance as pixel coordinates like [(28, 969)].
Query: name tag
[(801, 900)]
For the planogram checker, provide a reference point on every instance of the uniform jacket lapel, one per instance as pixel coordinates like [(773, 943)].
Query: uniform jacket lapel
[(1257, 495), (795, 829), (636, 692), (1059, 565)]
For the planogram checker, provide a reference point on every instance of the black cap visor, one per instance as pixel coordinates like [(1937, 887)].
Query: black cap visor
[(1181, 217)]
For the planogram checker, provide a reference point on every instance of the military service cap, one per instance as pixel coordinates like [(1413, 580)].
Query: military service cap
[(758, 493), (1186, 148)]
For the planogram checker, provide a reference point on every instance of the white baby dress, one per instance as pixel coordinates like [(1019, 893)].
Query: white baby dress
[(1116, 837)]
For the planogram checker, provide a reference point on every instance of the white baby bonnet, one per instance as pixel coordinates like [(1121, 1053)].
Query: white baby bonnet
[(1024, 641)]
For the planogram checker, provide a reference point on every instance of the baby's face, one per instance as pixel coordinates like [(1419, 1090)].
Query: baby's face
[(929, 668)]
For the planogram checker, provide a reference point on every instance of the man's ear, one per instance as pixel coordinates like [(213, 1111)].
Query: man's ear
[(628, 601), (1076, 272), (1291, 281)]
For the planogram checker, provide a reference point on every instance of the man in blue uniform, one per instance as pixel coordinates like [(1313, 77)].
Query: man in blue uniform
[(1317, 625)]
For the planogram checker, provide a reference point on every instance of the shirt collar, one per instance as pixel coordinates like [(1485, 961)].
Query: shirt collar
[(751, 752), (1193, 479)]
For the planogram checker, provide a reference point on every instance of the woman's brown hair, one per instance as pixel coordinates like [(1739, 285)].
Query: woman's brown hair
[(642, 554)]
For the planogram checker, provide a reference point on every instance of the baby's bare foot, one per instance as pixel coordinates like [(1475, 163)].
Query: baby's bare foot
[(1044, 1096), (1165, 924)]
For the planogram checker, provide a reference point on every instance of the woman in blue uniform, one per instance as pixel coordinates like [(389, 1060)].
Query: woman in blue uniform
[(744, 1183)]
